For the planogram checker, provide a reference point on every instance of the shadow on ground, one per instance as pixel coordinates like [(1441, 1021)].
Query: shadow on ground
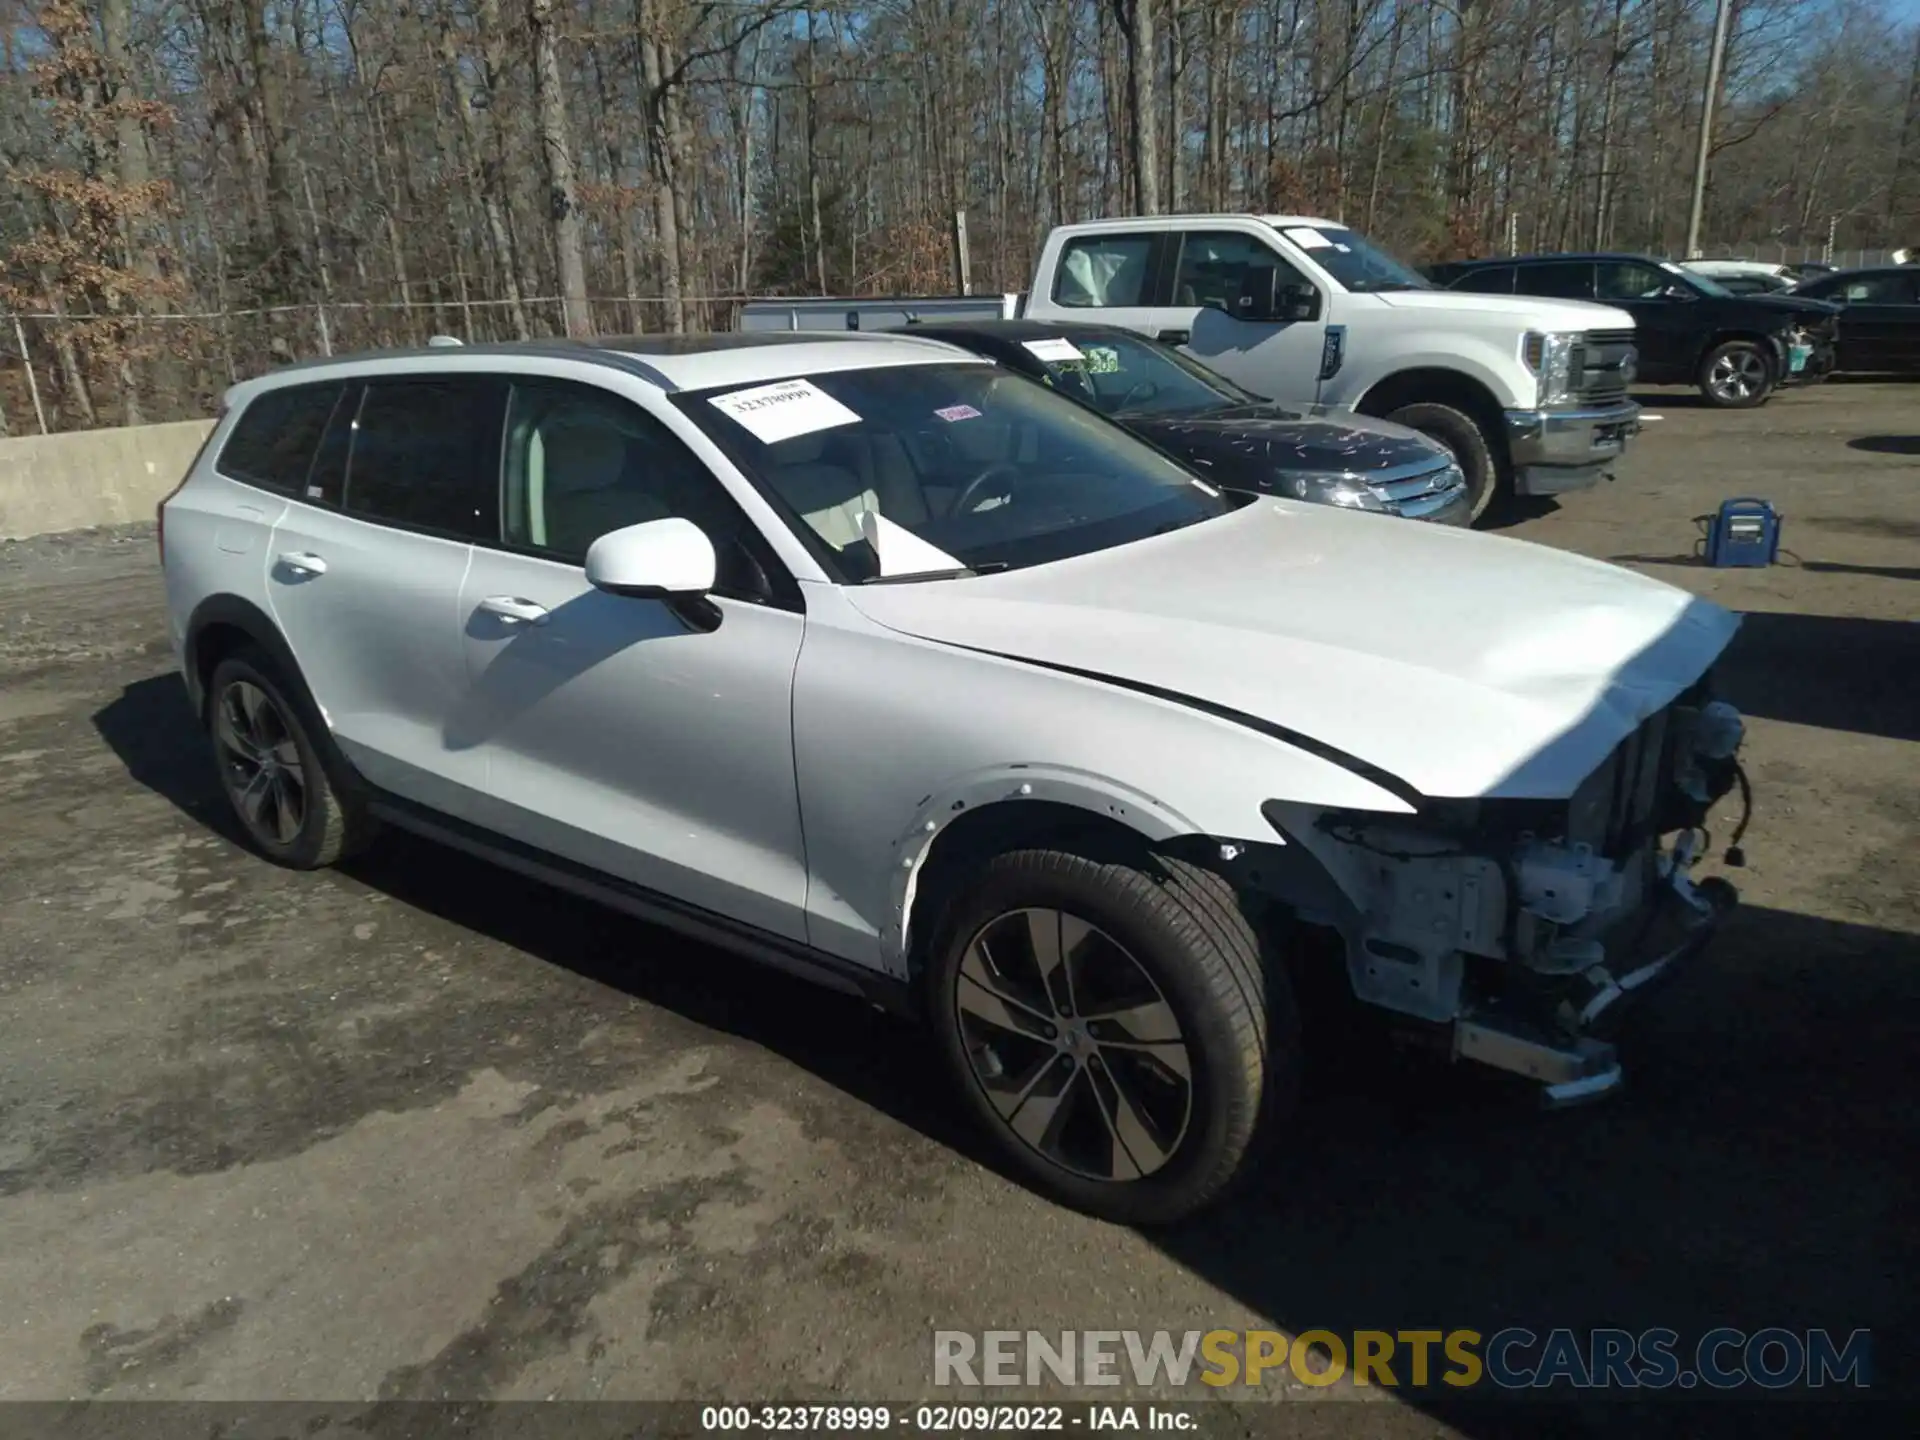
[(1839, 672), (1887, 444), (1755, 1173)]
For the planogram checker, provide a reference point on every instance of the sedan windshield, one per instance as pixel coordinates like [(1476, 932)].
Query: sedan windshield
[(916, 471), (1119, 374), (1353, 260)]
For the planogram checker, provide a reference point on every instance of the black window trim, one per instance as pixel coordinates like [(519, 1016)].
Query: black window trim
[(294, 492), (786, 590)]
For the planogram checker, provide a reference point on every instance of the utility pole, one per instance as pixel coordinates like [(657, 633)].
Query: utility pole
[(1721, 15)]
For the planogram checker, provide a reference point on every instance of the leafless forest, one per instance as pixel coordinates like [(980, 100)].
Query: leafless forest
[(196, 188)]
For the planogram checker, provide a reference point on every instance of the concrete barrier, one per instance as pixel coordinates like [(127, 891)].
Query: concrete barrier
[(50, 483)]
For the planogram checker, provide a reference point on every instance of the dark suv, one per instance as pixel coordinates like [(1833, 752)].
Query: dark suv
[(1738, 349)]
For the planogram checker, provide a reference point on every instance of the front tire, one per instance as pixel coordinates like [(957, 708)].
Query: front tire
[(1461, 434), (271, 770), (1111, 1025), (1736, 376)]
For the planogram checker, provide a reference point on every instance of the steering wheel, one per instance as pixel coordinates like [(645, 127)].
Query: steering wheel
[(1142, 388), (971, 491)]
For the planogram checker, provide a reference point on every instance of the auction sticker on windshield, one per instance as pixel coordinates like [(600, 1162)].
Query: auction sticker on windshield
[(1053, 351), (772, 413), (1307, 238), (951, 413)]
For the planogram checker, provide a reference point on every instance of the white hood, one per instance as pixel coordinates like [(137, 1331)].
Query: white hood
[(1464, 664), (1540, 314)]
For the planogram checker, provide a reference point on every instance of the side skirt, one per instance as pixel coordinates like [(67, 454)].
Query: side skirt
[(882, 991)]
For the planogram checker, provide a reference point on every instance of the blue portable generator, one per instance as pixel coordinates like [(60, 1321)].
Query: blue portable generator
[(1744, 532)]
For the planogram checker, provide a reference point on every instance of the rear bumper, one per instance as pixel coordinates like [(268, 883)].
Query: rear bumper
[(1559, 450)]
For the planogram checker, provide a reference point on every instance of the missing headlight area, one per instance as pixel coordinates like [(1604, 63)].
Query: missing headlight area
[(1526, 926)]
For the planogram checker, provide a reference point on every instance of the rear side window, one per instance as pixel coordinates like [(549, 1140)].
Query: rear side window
[(274, 440), (426, 455), (1559, 280), (1097, 270), (1494, 280)]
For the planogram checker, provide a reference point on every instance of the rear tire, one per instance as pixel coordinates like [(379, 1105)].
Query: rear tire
[(1112, 1026), (281, 791), (1736, 376), (1461, 434)]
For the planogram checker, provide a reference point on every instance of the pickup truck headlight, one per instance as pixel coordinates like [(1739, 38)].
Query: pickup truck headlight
[(1549, 355), (1330, 489)]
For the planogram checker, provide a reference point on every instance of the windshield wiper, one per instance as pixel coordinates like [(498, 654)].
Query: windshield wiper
[(961, 572)]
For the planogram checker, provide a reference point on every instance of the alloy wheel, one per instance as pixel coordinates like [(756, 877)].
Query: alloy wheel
[(1074, 1045), (1737, 375), (260, 763)]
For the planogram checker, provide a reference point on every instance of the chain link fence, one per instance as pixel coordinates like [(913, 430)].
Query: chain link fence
[(78, 372)]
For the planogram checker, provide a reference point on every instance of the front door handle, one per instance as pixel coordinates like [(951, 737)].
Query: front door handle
[(304, 562), (512, 608), (1173, 337)]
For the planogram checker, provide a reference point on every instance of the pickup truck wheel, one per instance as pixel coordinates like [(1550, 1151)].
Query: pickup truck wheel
[(1736, 376), (1461, 434), (271, 771), (1112, 1027)]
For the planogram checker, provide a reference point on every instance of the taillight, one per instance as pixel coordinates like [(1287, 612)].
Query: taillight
[(160, 510)]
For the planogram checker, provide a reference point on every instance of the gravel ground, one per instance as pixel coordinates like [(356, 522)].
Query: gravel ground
[(418, 1129)]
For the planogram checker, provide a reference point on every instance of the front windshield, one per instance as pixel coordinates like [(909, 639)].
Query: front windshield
[(1705, 284), (1353, 260), (1118, 374), (917, 470)]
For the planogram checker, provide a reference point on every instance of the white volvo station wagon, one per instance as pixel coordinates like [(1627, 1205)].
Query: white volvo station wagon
[(892, 668)]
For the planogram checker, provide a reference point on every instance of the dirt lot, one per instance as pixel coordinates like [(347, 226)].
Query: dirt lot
[(419, 1129)]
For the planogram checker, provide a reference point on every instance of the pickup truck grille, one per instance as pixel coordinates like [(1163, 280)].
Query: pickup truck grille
[(1603, 366)]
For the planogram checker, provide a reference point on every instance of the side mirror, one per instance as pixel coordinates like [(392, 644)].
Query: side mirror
[(656, 560)]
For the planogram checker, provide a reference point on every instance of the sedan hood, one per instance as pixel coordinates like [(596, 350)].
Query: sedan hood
[(1245, 446), (1459, 663)]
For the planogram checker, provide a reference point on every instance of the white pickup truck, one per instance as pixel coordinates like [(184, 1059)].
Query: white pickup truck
[(1530, 394)]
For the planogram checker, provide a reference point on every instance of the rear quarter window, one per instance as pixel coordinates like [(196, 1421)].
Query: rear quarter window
[(274, 440)]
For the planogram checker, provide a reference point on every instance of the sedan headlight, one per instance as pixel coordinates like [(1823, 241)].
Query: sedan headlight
[(1549, 355), (1330, 489)]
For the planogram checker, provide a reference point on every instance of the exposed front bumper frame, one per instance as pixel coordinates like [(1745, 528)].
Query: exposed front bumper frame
[(1581, 1066), (1554, 451)]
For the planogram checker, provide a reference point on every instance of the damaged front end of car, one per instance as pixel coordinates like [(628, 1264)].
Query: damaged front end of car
[(1518, 933)]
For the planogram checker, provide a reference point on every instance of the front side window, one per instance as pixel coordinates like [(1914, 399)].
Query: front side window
[(274, 440), (1121, 374), (1214, 265), (1630, 280), (1097, 270), (425, 455), (1893, 289), (949, 467), (1355, 261), (582, 462)]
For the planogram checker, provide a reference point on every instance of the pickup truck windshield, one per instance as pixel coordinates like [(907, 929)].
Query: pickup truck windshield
[(926, 471), (1354, 261), (1121, 375)]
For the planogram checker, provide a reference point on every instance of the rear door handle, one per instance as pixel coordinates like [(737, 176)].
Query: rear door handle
[(304, 562), (1173, 337), (511, 607)]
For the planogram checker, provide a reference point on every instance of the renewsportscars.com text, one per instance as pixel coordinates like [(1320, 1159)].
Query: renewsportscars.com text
[(1510, 1359)]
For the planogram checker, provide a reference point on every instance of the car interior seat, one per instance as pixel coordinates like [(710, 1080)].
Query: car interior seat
[(581, 482)]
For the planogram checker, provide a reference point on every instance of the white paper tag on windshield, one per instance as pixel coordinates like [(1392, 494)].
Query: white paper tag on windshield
[(1307, 238), (1054, 350), (772, 413)]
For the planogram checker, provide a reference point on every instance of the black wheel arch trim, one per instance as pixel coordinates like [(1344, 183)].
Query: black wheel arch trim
[(244, 616)]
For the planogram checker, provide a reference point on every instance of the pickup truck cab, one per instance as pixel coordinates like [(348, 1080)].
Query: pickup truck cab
[(1529, 394)]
